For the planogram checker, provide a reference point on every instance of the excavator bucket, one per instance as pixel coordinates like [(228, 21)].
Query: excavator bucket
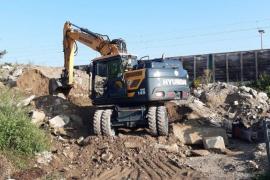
[(56, 86)]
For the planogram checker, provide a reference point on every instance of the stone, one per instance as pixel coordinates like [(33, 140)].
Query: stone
[(37, 117), (236, 103), (216, 142), (246, 96), (44, 157), (197, 93), (26, 101), (60, 131), (131, 145), (7, 67), (253, 165), (199, 103), (253, 92), (200, 152), (80, 140), (245, 89), (17, 72), (61, 95), (263, 96), (106, 157), (59, 121), (188, 134), (169, 148)]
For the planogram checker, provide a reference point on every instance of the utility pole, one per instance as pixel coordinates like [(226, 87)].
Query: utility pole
[(261, 31)]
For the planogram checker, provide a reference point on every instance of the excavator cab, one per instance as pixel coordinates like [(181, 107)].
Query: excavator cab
[(108, 77)]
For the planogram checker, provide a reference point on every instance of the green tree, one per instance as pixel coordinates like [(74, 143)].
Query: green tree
[(2, 53)]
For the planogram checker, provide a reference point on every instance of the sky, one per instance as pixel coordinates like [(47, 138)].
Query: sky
[(31, 31)]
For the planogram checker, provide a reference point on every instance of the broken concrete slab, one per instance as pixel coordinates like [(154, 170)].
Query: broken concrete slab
[(17, 72), (200, 152), (131, 145), (44, 157), (194, 134), (169, 148), (26, 101), (37, 117), (59, 121), (216, 142), (106, 156)]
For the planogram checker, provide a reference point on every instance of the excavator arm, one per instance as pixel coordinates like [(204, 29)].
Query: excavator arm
[(98, 42)]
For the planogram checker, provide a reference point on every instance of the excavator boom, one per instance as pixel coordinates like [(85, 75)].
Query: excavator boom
[(98, 42)]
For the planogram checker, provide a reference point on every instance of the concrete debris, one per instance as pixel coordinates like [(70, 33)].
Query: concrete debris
[(60, 131), (200, 152), (17, 72), (61, 95), (7, 67), (188, 134), (37, 117), (213, 143), (59, 121), (106, 156), (220, 104), (253, 165), (26, 101), (10, 72), (44, 157), (131, 145), (169, 148), (80, 140)]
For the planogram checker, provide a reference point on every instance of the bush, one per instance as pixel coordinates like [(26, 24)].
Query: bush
[(263, 84), (203, 80), (17, 133)]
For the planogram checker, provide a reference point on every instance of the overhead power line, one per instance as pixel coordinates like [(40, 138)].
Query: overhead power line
[(200, 35)]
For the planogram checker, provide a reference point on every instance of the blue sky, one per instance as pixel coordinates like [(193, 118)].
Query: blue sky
[(31, 31)]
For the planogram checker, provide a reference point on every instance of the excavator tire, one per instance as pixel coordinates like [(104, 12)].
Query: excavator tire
[(106, 127), (152, 120), (162, 121), (97, 122)]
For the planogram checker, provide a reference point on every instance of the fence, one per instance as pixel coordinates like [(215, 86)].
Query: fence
[(229, 66)]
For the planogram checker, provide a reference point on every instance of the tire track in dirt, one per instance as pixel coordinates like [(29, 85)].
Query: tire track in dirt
[(144, 168)]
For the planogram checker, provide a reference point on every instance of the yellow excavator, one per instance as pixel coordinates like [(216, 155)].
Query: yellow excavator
[(127, 91), (98, 42)]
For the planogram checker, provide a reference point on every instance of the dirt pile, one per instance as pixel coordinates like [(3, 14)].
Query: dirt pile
[(128, 156), (35, 80)]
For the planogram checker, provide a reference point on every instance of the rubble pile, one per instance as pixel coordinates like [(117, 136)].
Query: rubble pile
[(35, 80), (9, 73), (221, 104), (191, 144)]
